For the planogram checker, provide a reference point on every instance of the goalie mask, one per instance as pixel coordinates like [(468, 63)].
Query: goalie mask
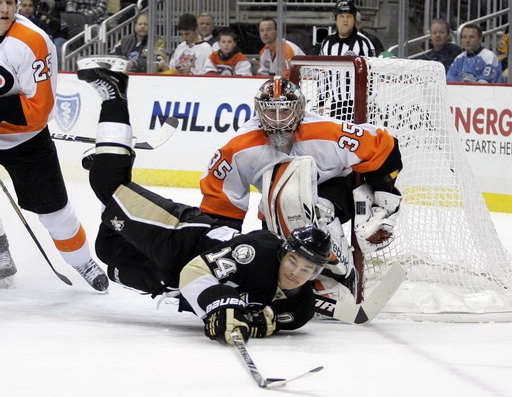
[(280, 106), (312, 244)]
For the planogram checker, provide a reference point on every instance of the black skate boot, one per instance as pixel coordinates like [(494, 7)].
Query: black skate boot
[(94, 275), (109, 84)]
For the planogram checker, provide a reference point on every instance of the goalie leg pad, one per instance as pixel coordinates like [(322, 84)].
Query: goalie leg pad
[(289, 192)]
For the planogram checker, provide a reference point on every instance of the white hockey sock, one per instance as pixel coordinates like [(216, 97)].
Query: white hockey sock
[(118, 133)]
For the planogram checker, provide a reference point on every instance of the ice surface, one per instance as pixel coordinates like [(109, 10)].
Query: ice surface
[(57, 340)]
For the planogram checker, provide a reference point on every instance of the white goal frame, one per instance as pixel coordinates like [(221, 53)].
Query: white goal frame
[(458, 269)]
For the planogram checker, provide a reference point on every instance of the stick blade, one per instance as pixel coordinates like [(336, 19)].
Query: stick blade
[(278, 382), (163, 135), (373, 304), (64, 279)]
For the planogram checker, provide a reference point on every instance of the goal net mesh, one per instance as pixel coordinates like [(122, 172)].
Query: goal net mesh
[(445, 237)]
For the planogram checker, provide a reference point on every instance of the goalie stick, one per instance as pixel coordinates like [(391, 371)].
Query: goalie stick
[(366, 311), (29, 229), (162, 135), (266, 383)]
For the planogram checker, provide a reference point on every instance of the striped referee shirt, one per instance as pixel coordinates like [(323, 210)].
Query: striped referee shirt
[(355, 44)]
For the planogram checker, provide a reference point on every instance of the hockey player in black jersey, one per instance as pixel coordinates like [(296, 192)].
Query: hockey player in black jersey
[(255, 283)]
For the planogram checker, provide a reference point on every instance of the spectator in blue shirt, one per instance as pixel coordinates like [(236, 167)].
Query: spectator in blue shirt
[(476, 64)]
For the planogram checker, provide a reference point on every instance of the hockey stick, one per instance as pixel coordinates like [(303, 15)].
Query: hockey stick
[(365, 312), (15, 206), (256, 374), (162, 135)]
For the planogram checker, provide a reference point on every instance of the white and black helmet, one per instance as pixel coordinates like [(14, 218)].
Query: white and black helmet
[(281, 106)]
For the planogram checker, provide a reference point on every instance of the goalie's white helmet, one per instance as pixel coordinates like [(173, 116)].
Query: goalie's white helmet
[(281, 106), (312, 244)]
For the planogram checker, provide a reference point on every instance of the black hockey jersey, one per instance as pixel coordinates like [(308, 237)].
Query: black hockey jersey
[(250, 264)]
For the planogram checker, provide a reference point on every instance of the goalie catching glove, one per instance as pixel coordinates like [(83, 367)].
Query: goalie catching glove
[(375, 217)]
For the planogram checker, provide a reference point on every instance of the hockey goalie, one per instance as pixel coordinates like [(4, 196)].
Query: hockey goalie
[(302, 164)]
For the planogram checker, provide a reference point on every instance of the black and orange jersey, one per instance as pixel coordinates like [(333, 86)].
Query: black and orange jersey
[(338, 147), (28, 82), (236, 65)]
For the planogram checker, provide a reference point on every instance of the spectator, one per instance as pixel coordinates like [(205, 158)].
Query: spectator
[(27, 97), (192, 56), (476, 64), (442, 50), (347, 40), (229, 60), (28, 11), (503, 53), (134, 47), (50, 16), (206, 29), (94, 10), (268, 54), (374, 39)]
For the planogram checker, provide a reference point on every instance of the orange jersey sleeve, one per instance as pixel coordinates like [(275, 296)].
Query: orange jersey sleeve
[(226, 184), (28, 63)]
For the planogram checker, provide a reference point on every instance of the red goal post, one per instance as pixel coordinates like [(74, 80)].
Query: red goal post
[(458, 269)]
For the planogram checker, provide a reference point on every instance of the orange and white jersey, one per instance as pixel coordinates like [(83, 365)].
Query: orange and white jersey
[(236, 65), (28, 82), (338, 147), (268, 59)]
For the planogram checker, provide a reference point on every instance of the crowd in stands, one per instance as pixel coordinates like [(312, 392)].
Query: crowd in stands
[(204, 50)]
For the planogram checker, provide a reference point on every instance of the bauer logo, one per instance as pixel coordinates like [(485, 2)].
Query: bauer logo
[(229, 302), (68, 110)]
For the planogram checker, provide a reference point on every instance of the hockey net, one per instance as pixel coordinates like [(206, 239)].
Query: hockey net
[(458, 270)]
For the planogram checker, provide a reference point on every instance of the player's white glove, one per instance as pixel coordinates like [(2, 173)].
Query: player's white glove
[(375, 217)]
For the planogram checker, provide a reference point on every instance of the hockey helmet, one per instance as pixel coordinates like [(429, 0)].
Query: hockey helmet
[(281, 106), (312, 244), (344, 7)]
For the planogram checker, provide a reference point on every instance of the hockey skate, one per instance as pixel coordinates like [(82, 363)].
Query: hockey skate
[(7, 266), (94, 275), (110, 83)]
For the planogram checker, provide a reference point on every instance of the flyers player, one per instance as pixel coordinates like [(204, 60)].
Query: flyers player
[(318, 153), (28, 78)]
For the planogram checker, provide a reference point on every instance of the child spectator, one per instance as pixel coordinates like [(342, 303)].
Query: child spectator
[(192, 56), (229, 59)]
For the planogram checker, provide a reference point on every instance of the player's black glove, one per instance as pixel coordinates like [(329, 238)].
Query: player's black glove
[(225, 315), (263, 322)]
